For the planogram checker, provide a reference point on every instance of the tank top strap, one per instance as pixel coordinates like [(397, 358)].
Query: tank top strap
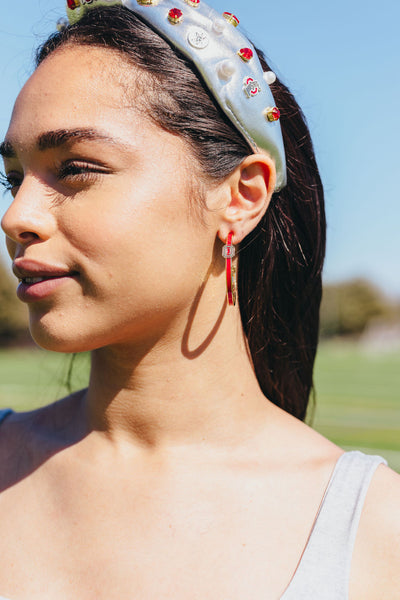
[(324, 569), (4, 412)]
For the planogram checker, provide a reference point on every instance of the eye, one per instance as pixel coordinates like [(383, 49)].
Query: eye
[(11, 182), (78, 172)]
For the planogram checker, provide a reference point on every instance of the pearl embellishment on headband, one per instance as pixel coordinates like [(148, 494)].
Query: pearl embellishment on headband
[(269, 77), (219, 26), (226, 70)]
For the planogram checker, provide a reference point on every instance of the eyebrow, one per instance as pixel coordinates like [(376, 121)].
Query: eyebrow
[(60, 137)]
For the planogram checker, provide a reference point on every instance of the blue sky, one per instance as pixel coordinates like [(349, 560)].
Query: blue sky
[(341, 60)]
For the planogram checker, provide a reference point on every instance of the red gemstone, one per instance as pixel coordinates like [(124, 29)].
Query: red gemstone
[(231, 18), (273, 114), (194, 3), (72, 4), (276, 114), (175, 15), (246, 54)]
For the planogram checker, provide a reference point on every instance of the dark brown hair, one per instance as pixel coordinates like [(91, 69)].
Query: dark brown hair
[(280, 262)]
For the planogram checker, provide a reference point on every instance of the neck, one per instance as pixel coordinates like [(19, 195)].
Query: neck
[(194, 384)]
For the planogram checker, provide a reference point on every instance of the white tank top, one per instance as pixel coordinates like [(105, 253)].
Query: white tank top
[(323, 572)]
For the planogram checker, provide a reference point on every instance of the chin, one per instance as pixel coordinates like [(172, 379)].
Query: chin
[(59, 339), (56, 344)]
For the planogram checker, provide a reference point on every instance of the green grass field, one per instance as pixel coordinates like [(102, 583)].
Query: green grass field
[(357, 401)]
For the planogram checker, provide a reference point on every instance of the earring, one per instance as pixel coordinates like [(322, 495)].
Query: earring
[(228, 252)]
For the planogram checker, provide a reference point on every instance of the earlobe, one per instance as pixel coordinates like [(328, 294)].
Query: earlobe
[(251, 187)]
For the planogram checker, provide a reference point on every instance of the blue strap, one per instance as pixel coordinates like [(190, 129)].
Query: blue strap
[(4, 412)]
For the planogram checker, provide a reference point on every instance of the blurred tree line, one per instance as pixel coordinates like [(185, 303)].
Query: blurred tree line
[(347, 309)]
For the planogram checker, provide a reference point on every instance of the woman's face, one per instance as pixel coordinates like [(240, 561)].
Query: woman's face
[(100, 223)]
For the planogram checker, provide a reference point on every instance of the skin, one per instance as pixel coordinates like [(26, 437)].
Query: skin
[(142, 484)]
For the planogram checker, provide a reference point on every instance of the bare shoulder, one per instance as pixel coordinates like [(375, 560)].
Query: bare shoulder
[(376, 559), (28, 439), (298, 441)]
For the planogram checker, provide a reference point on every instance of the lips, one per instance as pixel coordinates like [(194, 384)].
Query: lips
[(38, 280), (30, 271)]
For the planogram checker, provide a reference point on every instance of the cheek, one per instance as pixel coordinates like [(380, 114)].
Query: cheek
[(141, 245)]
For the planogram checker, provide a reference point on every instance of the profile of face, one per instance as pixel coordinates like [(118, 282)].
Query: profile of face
[(101, 223)]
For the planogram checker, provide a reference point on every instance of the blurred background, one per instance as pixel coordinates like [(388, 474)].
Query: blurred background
[(340, 59)]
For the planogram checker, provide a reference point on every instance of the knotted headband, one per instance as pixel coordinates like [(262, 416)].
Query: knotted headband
[(224, 57)]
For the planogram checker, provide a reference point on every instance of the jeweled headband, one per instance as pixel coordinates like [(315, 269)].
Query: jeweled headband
[(226, 60)]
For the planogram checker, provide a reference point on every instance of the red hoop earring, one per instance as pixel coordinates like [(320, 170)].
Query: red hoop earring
[(228, 252)]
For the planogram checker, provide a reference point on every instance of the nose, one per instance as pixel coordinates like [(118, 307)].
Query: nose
[(29, 218)]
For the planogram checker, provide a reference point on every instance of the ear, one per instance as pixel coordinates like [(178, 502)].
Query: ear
[(247, 194)]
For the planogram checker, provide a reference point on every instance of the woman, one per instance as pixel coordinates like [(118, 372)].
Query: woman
[(184, 470)]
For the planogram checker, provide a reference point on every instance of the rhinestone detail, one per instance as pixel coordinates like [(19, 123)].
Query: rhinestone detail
[(231, 18), (246, 54), (228, 251), (251, 87), (175, 16), (272, 114), (198, 38)]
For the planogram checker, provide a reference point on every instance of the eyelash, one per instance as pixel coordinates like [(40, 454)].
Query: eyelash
[(8, 182), (84, 171)]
